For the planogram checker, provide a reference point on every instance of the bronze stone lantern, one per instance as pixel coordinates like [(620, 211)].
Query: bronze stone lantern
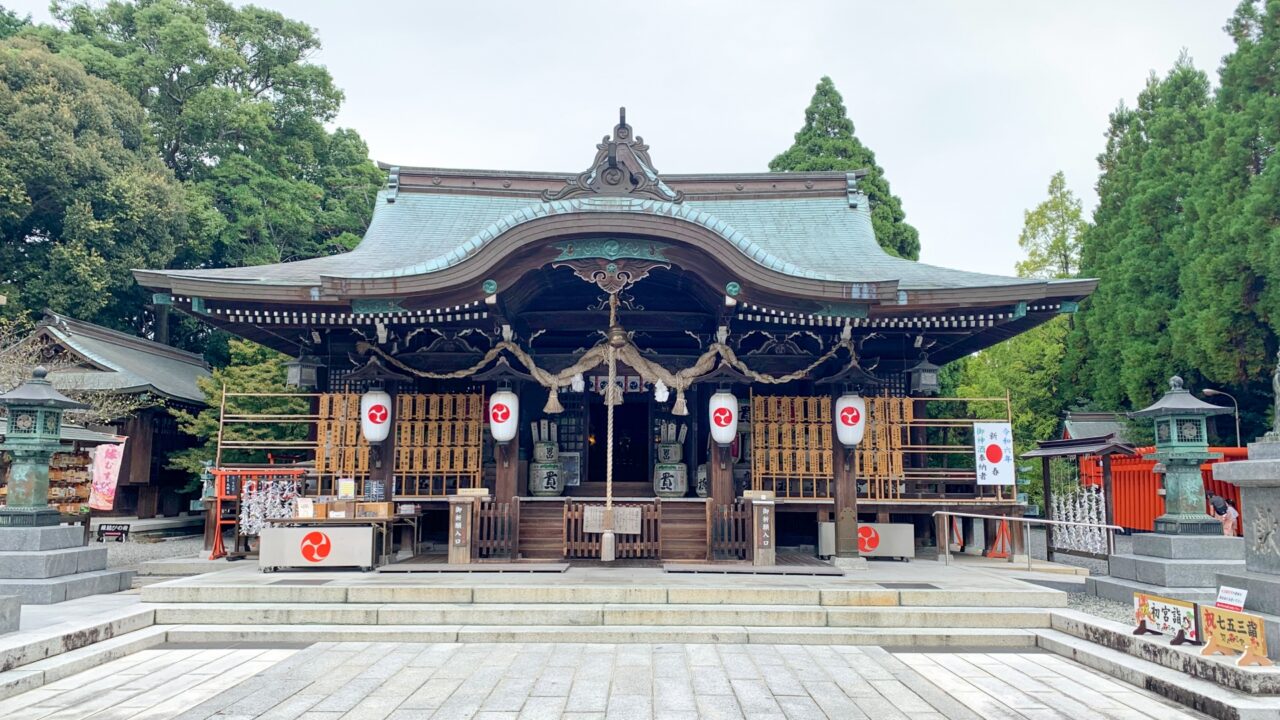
[(32, 435)]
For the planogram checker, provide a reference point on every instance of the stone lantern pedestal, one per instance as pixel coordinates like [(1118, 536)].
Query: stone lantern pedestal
[(41, 561), (1184, 555)]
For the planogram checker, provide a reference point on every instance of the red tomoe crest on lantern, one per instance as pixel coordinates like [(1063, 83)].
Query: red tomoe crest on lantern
[(504, 415), (850, 416), (375, 415), (500, 413), (722, 411)]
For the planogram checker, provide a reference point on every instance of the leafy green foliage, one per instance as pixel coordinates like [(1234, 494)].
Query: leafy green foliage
[(1123, 349), (1185, 235), (11, 24), (827, 142), (252, 368), (196, 138), (82, 197), (237, 109), (1051, 234)]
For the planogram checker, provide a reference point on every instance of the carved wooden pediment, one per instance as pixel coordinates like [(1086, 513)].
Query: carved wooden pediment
[(622, 168)]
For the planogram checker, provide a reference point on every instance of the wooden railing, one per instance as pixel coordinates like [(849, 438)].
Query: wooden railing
[(580, 544), (729, 531), (497, 533)]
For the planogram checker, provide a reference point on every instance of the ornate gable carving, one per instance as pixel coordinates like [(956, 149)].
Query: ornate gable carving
[(622, 168)]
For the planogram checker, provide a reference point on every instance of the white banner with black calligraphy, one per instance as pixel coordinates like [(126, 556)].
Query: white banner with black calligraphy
[(993, 453)]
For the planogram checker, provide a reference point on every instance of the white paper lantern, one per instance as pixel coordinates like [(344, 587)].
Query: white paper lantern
[(504, 415), (375, 415), (851, 419), (722, 415)]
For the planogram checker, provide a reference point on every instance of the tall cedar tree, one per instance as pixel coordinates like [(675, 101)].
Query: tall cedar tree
[(1123, 348), (827, 142), (1229, 305)]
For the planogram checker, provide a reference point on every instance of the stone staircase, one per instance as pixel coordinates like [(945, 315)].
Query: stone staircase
[(884, 617)]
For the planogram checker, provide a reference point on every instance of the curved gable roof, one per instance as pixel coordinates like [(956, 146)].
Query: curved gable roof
[(417, 233)]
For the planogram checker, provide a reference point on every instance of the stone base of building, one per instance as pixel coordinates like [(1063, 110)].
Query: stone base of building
[(43, 565), (1185, 567)]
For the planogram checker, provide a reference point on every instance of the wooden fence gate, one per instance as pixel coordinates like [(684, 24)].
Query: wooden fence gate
[(580, 544), (729, 528), (497, 533)]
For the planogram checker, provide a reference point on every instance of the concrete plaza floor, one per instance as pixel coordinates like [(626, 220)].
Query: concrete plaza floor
[(368, 681)]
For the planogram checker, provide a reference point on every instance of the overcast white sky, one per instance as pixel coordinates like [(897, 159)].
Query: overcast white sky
[(969, 106)]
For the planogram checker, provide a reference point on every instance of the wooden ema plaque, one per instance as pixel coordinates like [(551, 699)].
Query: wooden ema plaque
[(1156, 615), (1229, 632), (626, 519)]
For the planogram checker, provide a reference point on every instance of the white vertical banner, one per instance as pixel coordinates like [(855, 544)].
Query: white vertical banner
[(993, 453)]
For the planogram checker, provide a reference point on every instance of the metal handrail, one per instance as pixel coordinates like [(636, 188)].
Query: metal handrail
[(945, 548)]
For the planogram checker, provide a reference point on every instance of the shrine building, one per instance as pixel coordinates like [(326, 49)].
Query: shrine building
[(739, 315)]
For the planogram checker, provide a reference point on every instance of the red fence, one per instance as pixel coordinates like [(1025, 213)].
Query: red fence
[(1133, 486)]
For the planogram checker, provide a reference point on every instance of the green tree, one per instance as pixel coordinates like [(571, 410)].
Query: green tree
[(11, 24), (236, 108), (1228, 307), (252, 368), (83, 198), (1124, 345), (1051, 234), (827, 142)]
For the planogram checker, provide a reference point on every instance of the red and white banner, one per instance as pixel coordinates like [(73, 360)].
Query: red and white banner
[(104, 471), (993, 453)]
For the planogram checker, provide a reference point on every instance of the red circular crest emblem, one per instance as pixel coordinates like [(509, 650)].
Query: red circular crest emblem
[(500, 413), (868, 539), (850, 416), (315, 546), (722, 417), (994, 453), (378, 414)]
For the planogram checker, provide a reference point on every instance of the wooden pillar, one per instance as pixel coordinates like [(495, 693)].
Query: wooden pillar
[(846, 502), (720, 475), (1108, 505), (1048, 498), (507, 472)]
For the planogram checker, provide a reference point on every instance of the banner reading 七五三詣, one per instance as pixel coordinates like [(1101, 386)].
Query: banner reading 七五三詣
[(105, 471), (993, 453)]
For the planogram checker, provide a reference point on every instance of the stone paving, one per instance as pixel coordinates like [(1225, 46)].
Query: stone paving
[(368, 681)]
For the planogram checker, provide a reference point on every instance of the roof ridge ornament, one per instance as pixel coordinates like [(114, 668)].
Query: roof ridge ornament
[(622, 168)]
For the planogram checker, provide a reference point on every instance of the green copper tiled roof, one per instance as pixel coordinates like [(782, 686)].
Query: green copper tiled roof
[(423, 232)]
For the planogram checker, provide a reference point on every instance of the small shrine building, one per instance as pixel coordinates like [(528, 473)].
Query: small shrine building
[(769, 288)]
